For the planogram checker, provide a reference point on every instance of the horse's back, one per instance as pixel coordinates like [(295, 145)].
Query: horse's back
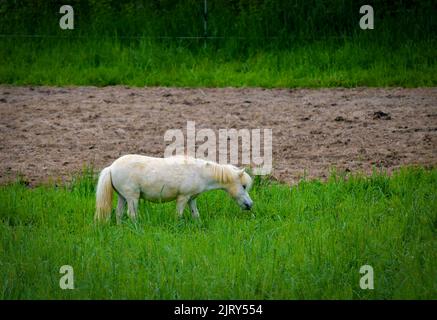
[(129, 159), (136, 160)]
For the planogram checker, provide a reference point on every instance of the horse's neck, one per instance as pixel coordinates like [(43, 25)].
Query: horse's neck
[(213, 185)]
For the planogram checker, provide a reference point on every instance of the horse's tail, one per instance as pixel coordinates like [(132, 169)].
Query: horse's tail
[(104, 195)]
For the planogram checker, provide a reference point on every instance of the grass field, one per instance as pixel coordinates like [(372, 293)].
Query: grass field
[(304, 242), (364, 61)]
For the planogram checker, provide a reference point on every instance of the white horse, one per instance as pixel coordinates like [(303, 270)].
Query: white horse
[(179, 178)]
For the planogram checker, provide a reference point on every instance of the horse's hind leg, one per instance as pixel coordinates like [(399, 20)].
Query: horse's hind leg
[(132, 208), (120, 207), (181, 202)]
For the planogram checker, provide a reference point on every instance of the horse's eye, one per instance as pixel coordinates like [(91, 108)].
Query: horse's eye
[(244, 187)]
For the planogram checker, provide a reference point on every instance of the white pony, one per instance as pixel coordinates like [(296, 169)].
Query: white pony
[(179, 178)]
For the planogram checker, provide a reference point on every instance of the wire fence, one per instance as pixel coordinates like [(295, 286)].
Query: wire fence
[(72, 36), (130, 37)]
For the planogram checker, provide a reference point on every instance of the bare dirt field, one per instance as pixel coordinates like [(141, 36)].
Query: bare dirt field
[(50, 133)]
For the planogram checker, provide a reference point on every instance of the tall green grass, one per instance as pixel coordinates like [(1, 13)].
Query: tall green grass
[(304, 242), (108, 61)]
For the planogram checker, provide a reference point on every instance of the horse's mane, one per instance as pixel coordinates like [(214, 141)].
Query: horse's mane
[(221, 173)]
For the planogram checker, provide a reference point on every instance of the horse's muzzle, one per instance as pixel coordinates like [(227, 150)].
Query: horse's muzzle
[(247, 206)]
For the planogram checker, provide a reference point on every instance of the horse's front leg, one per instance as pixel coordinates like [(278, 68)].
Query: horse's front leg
[(181, 202), (193, 206)]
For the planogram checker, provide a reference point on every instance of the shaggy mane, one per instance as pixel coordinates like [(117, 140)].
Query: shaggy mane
[(222, 174)]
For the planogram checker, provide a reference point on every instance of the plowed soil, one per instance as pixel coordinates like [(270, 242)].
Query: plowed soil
[(50, 133)]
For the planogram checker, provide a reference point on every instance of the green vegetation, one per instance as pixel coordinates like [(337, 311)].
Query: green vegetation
[(107, 62), (308, 241), (268, 43)]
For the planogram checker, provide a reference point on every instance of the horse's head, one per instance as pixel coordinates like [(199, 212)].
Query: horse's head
[(239, 187)]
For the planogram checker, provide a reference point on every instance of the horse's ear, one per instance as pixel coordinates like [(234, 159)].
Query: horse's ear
[(242, 171)]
